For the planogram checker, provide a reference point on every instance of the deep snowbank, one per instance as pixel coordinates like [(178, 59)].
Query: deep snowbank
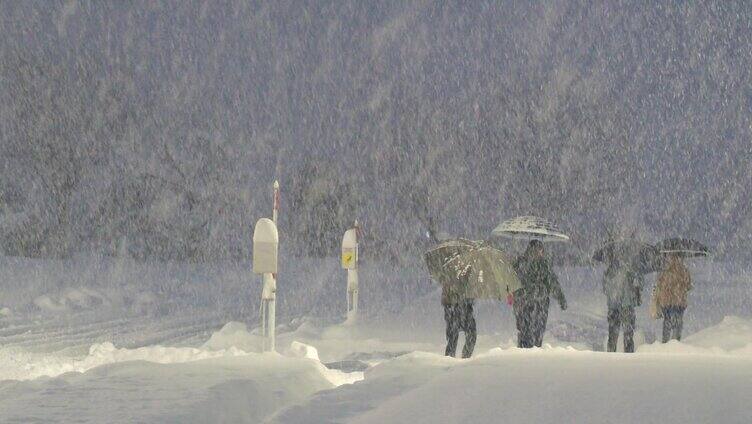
[(233, 340), (163, 384), (20, 365), (551, 385), (706, 378), (733, 336)]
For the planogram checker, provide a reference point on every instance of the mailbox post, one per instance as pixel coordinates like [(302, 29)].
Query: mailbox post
[(350, 263), (265, 248)]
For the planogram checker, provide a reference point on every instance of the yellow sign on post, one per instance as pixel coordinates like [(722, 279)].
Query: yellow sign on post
[(348, 259), (350, 263), (350, 250)]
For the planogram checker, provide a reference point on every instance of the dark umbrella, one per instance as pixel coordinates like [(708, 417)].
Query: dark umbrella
[(641, 257), (685, 248)]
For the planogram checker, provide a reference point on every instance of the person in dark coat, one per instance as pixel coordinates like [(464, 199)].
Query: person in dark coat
[(458, 314), (622, 287), (531, 302)]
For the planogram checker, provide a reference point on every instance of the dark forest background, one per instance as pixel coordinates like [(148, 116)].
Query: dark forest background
[(158, 127)]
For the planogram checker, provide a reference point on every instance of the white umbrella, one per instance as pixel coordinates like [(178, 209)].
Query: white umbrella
[(530, 228)]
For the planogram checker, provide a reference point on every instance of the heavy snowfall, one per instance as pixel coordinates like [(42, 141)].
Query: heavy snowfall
[(151, 272)]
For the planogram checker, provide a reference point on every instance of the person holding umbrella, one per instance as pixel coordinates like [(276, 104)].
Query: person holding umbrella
[(674, 283), (622, 287), (531, 302), (627, 260), (537, 278), (445, 266), (671, 291), (468, 270), (458, 315)]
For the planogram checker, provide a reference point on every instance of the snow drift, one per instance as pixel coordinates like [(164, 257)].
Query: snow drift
[(703, 379), (158, 384), (540, 386)]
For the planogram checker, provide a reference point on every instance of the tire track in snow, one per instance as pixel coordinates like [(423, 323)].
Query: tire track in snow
[(124, 332)]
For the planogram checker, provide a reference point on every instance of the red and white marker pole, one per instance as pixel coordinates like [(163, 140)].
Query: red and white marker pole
[(350, 263), (275, 208)]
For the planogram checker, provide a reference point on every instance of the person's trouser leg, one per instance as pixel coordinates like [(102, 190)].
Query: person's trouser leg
[(678, 322), (673, 322), (529, 323), (613, 329), (628, 327), (468, 326), (524, 326), (667, 324), (519, 310), (539, 321), (452, 328)]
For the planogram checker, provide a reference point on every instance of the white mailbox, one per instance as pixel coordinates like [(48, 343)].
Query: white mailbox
[(350, 249), (265, 246)]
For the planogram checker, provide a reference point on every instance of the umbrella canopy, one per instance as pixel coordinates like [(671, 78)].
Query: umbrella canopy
[(488, 272), (641, 257), (438, 257), (530, 228), (684, 248)]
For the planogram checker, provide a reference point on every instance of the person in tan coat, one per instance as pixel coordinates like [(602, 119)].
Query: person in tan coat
[(673, 285)]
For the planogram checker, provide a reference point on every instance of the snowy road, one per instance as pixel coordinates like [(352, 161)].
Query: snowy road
[(53, 334)]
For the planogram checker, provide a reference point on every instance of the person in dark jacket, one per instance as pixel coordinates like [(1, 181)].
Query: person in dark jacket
[(458, 314), (622, 287), (531, 302)]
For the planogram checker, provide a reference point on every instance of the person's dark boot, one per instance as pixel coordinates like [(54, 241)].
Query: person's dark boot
[(679, 325), (467, 350), (666, 328), (614, 325), (628, 345), (449, 351), (611, 345), (452, 338)]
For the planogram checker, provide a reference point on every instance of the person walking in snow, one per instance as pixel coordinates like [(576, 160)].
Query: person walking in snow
[(671, 291), (622, 287), (531, 302), (458, 314)]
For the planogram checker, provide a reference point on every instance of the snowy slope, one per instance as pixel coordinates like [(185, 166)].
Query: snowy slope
[(232, 389)]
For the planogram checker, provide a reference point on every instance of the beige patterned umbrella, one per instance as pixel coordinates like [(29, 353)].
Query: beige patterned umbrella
[(437, 258), (488, 272)]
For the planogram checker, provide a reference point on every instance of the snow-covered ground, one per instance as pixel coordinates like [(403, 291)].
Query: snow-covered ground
[(102, 340)]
